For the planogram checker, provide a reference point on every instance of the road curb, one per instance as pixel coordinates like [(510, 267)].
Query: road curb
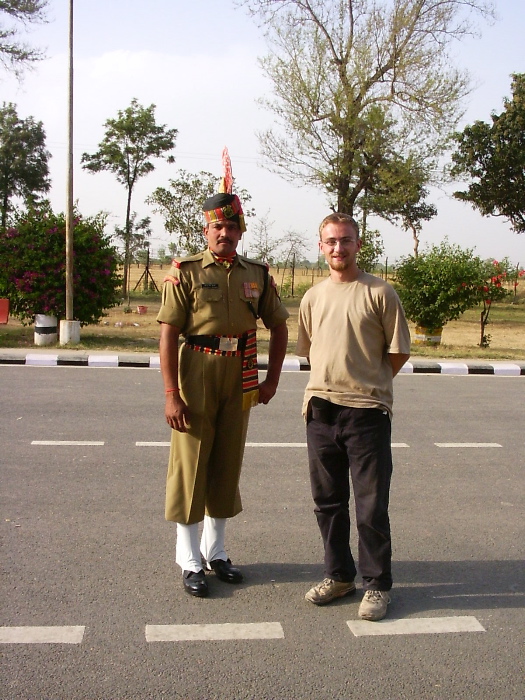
[(291, 363)]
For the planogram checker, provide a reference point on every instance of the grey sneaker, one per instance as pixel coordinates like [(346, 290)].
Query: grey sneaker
[(329, 590), (373, 606)]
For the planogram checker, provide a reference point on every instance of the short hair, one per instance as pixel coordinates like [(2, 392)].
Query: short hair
[(339, 218)]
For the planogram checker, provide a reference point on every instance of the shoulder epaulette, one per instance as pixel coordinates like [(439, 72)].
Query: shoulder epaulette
[(192, 258), (172, 279)]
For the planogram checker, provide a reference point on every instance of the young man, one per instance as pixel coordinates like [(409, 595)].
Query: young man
[(353, 329), (214, 299)]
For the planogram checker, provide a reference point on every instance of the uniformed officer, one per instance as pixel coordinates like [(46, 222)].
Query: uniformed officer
[(213, 300)]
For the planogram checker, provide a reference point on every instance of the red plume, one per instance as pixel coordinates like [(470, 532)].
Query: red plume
[(227, 180)]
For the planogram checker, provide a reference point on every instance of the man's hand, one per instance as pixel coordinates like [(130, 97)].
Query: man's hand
[(176, 412), (266, 391)]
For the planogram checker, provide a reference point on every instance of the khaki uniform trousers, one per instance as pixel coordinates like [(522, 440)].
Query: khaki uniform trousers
[(205, 463)]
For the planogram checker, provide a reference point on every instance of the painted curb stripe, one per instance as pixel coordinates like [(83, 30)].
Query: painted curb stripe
[(41, 635), (422, 625), (506, 369), (467, 444), (291, 364), (103, 361), (184, 633), (42, 360), (453, 368), (83, 443)]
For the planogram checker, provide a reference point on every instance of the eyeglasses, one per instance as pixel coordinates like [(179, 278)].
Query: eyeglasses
[(344, 242)]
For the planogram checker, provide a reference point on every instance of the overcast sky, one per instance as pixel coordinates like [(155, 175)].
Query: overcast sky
[(197, 61)]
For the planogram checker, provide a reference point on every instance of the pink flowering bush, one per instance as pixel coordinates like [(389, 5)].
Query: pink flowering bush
[(33, 266)]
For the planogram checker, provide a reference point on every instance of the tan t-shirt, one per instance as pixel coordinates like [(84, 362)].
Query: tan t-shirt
[(347, 330)]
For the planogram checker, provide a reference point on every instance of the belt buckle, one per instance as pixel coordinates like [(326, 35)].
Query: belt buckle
[(228, 344)]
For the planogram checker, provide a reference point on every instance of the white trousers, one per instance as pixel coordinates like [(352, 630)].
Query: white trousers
[(188, 550)]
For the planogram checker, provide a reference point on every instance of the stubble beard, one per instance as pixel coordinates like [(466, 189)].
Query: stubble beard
[(339, 265)]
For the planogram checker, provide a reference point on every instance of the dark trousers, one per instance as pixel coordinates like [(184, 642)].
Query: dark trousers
[(346, 441)]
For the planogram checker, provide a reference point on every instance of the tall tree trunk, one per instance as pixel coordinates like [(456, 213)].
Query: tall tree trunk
[(127, 243), (416, 241)]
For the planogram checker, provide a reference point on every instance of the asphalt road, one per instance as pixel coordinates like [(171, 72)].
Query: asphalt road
[(86, 548)]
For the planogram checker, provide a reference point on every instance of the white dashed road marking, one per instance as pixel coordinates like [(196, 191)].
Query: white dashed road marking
[(41, 635), (82, 443), (467, 444), (184, 633), (255, 444), (152, 444), (422, 625)]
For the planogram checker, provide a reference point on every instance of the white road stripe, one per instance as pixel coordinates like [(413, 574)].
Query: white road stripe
[(82, 443), (467, 444), (276, 444), (421, 625), (152, 444), (182, 633), (41, 635), (254, 444)]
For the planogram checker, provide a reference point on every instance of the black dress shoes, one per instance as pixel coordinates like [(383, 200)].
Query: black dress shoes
[(225, 571), (195, 583)]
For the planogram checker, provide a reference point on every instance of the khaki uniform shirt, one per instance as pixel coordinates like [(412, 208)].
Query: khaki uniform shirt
[(206, 299)]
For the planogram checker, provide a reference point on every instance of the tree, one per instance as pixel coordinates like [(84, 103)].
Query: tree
[(14, 54), (263, 246), (371, 249), (293, 249), (24, 168), (130, 142), (441, 283), (139, 234), (181, 207), (358, 81), (33, 266), (493, 155), (398, 194)]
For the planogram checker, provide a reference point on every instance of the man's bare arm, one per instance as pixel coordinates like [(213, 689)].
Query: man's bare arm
[(276, 355), (175, 409), (397, 360)]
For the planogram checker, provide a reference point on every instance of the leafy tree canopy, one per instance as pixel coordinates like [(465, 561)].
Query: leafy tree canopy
[(493, 156), (356, 82), (130, 143), (14, 53), (23, 159)]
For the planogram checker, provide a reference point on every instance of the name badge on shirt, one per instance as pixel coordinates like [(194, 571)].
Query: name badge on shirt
[(251, 290), (210, 285)]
